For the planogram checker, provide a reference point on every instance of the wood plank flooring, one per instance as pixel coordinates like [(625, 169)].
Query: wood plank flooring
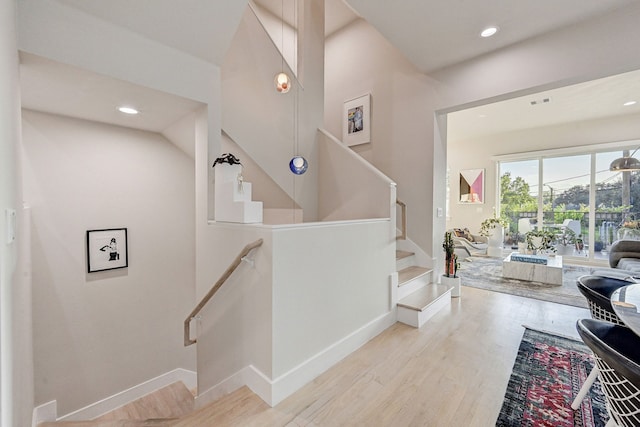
[(452, 372)]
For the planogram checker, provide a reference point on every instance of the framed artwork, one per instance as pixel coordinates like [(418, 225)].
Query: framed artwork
[(107, 249), (356, 121), (472, 186)]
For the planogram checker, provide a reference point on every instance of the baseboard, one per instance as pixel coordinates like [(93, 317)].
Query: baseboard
[(45, 412), (275, 391), (286, 384), (189, 378)]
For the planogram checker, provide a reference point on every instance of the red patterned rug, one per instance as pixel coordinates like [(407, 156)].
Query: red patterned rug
[(547, 375)]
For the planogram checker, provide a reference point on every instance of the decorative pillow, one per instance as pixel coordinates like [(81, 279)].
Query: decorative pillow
[(458, 232), (468, 236)]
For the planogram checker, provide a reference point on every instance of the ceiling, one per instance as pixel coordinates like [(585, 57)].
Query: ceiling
[(591, 100), (435, 34), (57, 88), (432, 34)]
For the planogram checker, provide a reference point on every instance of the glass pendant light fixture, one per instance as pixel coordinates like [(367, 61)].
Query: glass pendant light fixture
[(625, 163), (282, 80), (298, 164), (283, 83)]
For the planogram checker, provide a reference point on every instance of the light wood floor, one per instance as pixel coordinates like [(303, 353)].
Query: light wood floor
[(451, 372)]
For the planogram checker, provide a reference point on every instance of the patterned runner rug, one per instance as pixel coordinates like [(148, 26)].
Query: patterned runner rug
[(547, 375), (486, 273)]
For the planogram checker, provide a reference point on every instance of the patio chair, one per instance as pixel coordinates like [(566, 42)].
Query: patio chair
[(617, 353)]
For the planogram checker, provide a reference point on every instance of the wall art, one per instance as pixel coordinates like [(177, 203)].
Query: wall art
[(107, 249), (356, 121)]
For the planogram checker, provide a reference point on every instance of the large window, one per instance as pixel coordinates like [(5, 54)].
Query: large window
[(554, 193)]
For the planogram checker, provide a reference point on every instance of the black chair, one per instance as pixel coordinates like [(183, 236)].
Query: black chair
[(597, 290), (617, 353)]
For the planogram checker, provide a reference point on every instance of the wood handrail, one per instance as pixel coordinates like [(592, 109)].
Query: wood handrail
[(236, 262), (403, 229)]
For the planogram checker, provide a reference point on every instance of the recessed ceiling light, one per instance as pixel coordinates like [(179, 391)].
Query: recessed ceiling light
[(489, 31), (128, 110), (628, 103)]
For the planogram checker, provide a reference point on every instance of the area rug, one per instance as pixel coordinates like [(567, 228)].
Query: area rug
[(486, 273), (547, 375)]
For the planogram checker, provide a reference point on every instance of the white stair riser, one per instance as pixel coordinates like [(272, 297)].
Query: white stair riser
[(413, 285), (417, 318), (405, 262)]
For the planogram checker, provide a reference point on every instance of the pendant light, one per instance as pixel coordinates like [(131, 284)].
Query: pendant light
[(282, 80), (298, 164), (625, 163)]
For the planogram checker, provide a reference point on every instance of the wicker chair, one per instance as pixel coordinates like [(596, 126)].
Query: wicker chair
[(617, 353), (597, 290)]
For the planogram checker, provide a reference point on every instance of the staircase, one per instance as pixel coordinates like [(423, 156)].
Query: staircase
[(164, 407), (418, 298)]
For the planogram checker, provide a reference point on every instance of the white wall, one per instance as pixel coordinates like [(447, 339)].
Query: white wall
[(96, 334), (262, 121), (235, 327), (358, 61), (349, 187), (477, 153), (16, 369), (315, 305)]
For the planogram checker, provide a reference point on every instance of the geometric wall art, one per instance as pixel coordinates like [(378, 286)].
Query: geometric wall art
[(472, 186)]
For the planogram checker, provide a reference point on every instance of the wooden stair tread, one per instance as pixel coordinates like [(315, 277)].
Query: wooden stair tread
[(422, 298), (403, 254), (407, 274)]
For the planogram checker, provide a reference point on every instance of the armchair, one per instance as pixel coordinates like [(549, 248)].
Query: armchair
[(474, 244)]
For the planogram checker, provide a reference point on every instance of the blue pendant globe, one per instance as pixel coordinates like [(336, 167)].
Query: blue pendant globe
[(298, 165)]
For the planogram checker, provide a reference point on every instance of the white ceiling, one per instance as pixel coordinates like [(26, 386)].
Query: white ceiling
[(585, 101), (57, 88), (431, 33), (435, 34)]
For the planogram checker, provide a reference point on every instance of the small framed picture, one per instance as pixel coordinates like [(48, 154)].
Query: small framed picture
[(107, 249), (472, 186), (356, 121)]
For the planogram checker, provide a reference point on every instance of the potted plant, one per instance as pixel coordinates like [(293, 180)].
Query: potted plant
[(540, 241), (450, 256), (451, 265), (565, 241), (493, 228)]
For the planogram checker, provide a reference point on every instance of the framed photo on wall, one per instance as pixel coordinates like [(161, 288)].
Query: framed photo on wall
[(356, 121), (472, 186), (107, 249)]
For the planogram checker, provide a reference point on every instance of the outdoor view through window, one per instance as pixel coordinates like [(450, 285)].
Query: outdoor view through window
[(567, 203)]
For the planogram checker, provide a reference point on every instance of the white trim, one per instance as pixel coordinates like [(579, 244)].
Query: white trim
[(43, 413), (579, 149), (289, 382), (275, 391), (189, 378)]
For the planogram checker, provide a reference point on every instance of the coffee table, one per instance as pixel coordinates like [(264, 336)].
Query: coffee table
[(551, 273)]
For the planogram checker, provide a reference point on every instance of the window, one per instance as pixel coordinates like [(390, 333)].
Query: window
[(554, 192)]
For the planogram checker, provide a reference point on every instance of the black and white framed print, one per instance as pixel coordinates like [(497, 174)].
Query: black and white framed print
[(107, 249)]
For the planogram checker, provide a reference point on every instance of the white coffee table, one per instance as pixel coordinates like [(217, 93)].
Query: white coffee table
[(550, 273)]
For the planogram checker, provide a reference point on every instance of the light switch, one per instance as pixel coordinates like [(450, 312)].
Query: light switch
[(439, 212)]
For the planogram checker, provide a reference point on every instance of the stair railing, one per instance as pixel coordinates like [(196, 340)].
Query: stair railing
[(236, 262), (403, 215)]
